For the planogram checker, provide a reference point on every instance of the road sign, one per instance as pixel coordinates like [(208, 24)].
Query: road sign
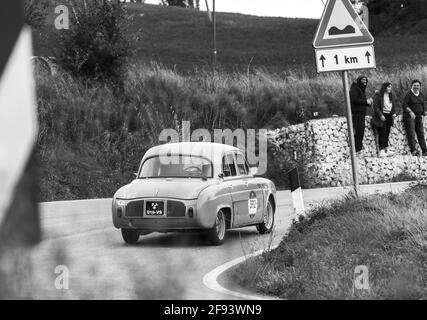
[(343, 42), (18, 119), (346, 58), (340, 25)]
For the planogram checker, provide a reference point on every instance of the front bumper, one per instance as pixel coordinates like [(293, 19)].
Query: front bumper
[(131, 214)]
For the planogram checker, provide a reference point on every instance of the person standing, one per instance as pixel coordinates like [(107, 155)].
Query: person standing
[(414, 110), (359, 105), (383, 118)]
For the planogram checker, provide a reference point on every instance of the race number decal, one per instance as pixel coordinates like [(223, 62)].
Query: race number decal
[(252, 204)]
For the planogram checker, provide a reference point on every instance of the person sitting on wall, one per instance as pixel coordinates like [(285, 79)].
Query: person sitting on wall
[(383, 118), (414, 110), (359, 105)]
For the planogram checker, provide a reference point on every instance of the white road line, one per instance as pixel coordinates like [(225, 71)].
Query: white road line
[(210, 280)]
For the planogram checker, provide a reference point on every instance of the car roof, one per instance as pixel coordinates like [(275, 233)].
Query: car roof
[(208, 150)]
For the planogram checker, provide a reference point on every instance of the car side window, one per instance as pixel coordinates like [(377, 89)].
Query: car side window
[(247, 166), (229, 160), (225, 167), (241, 164)]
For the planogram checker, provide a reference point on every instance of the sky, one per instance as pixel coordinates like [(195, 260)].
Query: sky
[(269, 8)]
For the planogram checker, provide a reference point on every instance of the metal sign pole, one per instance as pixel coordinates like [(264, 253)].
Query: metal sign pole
[(351, 133)]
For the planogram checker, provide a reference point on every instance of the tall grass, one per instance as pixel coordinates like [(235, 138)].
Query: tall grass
[(317, 259), (92, 137)]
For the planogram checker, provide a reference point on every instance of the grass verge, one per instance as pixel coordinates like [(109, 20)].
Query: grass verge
[(318, 257)]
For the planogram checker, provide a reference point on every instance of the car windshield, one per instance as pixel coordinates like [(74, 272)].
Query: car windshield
[(176, 166)]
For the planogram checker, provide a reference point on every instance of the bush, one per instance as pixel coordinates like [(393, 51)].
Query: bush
[(35, 13), (97, 44)]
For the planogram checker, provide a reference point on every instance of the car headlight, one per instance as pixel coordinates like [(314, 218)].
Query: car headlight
[(121, 203)]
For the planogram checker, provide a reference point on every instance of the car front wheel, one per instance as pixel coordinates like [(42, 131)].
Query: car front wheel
[(268, 220), (217, 233), (130, 236)]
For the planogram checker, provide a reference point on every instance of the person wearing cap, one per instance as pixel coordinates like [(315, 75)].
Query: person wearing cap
[(359, 106), (414, 110)]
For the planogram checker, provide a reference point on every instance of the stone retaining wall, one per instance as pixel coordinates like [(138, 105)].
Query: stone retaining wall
[(320, 149)]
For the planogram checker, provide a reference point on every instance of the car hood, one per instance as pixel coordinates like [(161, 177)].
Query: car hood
[(164, 188)]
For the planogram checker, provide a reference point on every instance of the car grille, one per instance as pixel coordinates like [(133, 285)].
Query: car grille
[(134, 209), (176, 209)]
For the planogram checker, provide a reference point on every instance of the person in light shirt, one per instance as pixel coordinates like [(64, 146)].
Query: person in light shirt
[(383, 118), (414, 110)]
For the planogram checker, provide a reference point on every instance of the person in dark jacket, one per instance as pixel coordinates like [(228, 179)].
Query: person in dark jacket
[(414, 110), (383, 118), (359, 105)]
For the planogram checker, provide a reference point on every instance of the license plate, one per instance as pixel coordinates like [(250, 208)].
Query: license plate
[(155, 208)]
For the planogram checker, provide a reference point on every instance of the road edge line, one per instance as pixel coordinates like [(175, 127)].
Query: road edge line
[(210, 279)]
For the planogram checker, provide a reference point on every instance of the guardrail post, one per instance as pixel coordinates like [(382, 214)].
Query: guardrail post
[(296, 192)]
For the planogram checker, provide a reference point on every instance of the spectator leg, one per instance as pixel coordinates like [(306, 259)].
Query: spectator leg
[(419, 128), (410, 132)]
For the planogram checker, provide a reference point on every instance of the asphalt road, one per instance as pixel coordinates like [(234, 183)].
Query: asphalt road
[(80, 236)]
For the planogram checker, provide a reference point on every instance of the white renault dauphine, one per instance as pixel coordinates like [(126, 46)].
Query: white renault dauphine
[(194, 186)]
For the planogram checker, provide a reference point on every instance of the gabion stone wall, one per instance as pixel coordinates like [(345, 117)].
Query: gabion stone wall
[(320, 149)]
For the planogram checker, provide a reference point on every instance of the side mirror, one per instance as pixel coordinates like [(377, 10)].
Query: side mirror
[(253, 170), (221, 175), (135, 175)]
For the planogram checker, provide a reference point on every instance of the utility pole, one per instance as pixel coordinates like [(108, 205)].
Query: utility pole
[(214, 36)]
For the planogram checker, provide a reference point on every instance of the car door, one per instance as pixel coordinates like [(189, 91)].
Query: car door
[(258, 188), (254, 197), (238, 188)]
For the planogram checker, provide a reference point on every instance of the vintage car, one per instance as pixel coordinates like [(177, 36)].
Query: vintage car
[(194, 186)]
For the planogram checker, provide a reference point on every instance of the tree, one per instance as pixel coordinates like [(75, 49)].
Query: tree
[(182, 3), (98, 42)]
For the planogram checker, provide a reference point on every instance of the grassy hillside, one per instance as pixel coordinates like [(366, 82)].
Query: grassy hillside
[(182, 39), (91, 138), (317, 259)]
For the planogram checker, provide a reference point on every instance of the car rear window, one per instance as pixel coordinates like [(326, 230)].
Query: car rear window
[(176, 166)]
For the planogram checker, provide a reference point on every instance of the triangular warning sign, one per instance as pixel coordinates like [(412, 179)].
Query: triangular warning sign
[(341, 26)]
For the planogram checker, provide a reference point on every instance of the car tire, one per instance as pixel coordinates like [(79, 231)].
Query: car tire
[(268, 220), (216, 235), (130, 236)]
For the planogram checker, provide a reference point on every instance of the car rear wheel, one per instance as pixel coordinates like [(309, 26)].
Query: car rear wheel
[(217, 233), (130, 236), (268, 220)]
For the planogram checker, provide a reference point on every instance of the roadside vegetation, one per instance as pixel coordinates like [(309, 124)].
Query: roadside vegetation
[(91, 140), (317, 259), (124, 76)]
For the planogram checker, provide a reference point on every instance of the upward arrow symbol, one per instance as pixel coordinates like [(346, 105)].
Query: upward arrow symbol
[(322, 59), (368, 56)]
